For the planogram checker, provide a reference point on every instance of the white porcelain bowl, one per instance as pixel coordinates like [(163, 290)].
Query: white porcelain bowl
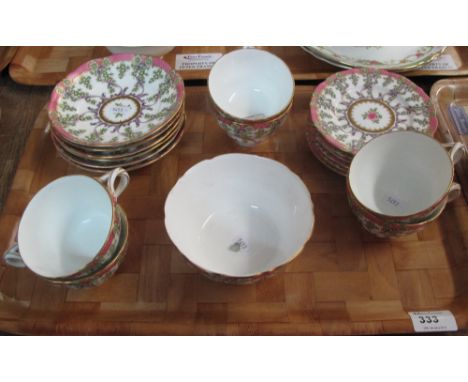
[(238, 216), (251, 84)]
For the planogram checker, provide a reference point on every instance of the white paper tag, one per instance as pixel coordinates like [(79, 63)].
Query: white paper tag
[(196, 61), (444, 62), (434, 321)]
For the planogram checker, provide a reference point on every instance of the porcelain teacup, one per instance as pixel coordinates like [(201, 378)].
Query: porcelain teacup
[(403, 177), (70, 227), (107, 269), (385, 229)]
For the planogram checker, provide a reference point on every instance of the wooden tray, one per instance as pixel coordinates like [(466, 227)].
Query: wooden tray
[(443, 94), (48, 65), (345, 281), (6, 55)]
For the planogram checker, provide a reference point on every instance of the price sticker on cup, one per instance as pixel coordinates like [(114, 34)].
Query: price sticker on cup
[(433, 321)]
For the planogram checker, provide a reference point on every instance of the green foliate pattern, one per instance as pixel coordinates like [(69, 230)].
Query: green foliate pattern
[(115, 100), (394, 103)]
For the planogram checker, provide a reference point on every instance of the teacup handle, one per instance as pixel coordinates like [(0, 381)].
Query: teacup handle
[(456, 152), (13, 258), (111, 177), (454, 192)]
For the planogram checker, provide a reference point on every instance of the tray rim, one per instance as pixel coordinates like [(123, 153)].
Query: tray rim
[(21, 76)]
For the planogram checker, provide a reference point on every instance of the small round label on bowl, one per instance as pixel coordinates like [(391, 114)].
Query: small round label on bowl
[(238, 245)]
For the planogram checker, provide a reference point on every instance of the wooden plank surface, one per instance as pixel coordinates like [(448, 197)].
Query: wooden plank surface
[(48, 65), (345, 281), (6, 55)]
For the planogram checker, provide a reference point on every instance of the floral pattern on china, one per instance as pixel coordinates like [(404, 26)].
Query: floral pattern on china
[(353, 106), (115, 100), (381, 57)]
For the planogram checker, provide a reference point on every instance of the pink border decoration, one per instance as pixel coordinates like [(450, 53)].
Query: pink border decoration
[(433, 122), (83, 68)]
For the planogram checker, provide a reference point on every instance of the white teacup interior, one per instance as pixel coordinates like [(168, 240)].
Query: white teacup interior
[(239, 215), (64, 226), (251, 84), (401, 173)]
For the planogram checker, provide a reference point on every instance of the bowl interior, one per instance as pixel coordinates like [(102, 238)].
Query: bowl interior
[(239, 215), (64, 226), (251, 84), (400, 173)]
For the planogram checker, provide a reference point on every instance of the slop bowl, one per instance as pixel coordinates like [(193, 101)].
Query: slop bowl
[(239, 217)]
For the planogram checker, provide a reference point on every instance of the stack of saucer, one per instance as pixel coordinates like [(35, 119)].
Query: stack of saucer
[(120, 111), (354, 106), (335, 160)]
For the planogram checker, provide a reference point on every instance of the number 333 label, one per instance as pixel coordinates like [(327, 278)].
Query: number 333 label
[(435, 321)]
